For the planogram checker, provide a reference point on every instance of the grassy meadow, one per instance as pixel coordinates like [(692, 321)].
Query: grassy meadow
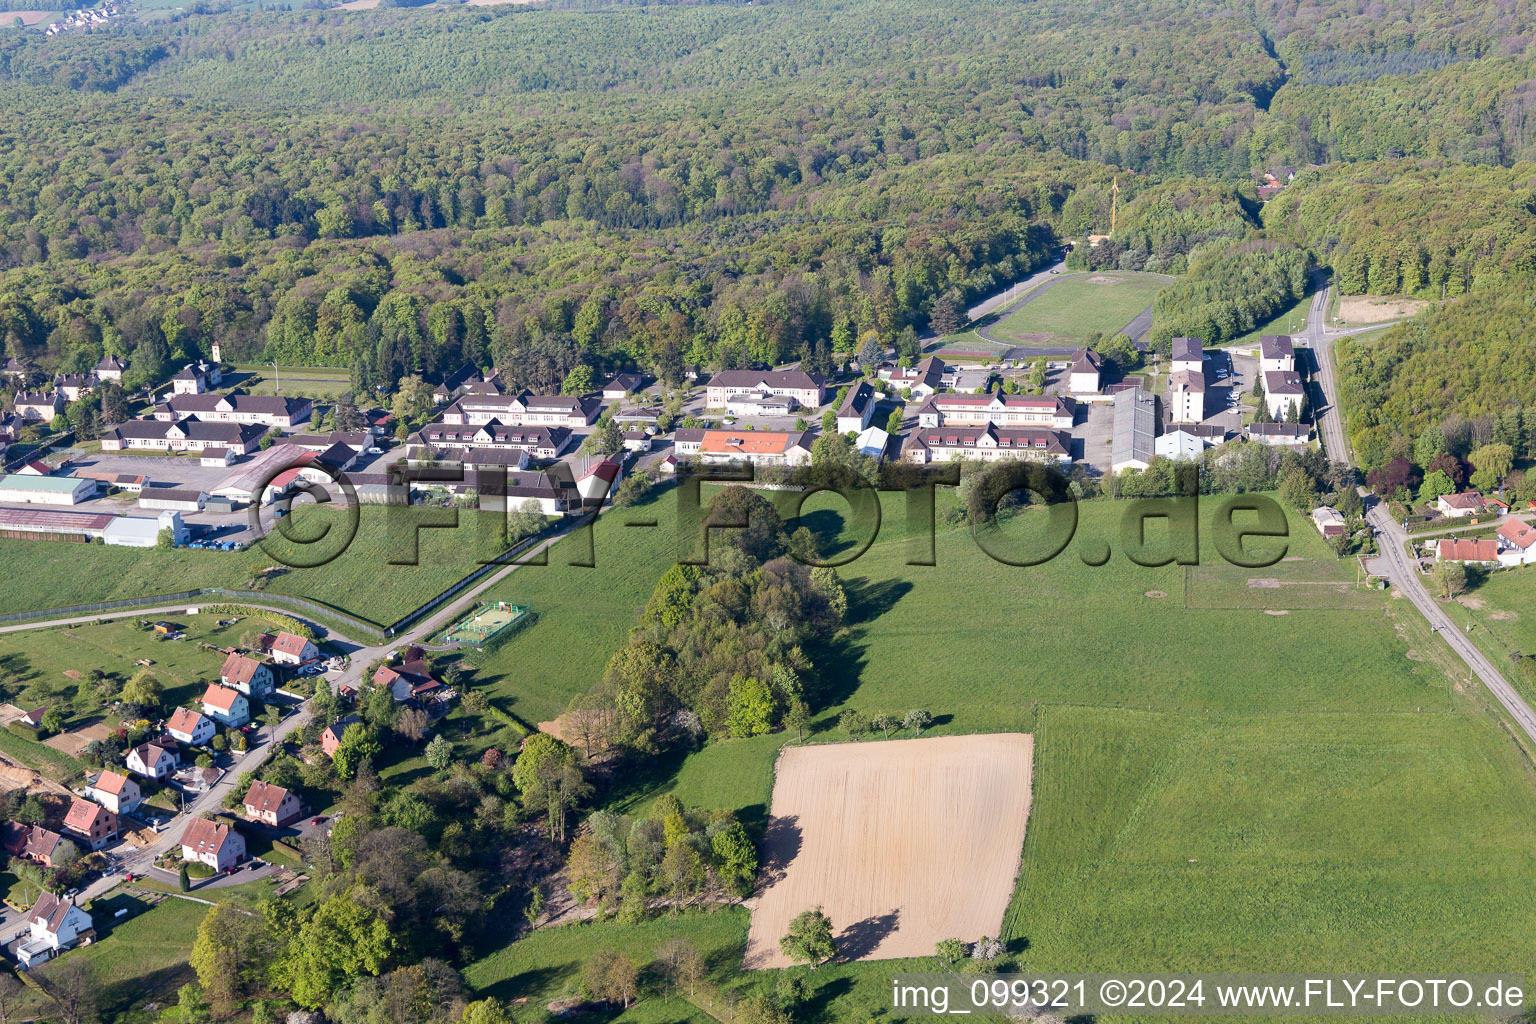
[(1237, 769), (361, 580)]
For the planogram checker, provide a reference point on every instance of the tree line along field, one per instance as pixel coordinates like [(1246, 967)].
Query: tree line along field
[(1232, 790), (360, 581)]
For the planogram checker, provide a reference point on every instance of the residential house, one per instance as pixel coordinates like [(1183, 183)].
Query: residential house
[(191, 434), (54, 925), (216, 457), (523, 409), (1293, 435), (1085, 375), (111, 368), (759, 447), (688, 441), (1455, 506), (37, 844), (1517, 542), (922, 380), (1277, 354), (1186, 396), (331, 738), (213, 843), (34, 718), (281, 411), (987, 443), (805, 389), (153, 761), (1188, 355), (251, 677), (291, 649), (197, 378), (1329, 522), (636, 441), (117, 793), (1000, 410), (858, 408), (38, 406), (226, 706), (13, 368), (189, 727), (271, 805), (1473, 552), (410, 680), (90, 824)]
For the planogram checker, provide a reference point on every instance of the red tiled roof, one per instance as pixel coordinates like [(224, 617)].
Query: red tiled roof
[(221, 697), (83, 814), (1469, 550), (289, 643), (1521, 534), (204, 836), (263, 796), (110, 782), (184, 720), (239, 669)]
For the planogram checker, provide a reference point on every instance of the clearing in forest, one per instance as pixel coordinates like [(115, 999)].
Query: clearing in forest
[(901, 842)]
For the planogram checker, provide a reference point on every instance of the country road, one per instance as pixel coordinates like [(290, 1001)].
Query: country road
[(1404, 576), (1402, 571)]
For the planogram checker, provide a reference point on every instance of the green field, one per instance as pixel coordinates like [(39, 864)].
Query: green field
[(360, 581), (142, 958), (1287, 321), (1075, 307), (36, 660), (1502, 610), (1217, 786)]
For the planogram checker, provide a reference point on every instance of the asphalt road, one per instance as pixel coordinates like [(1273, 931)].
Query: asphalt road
[(1402, 572), (1404, 576)]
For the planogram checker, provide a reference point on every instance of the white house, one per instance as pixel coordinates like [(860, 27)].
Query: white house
[(225, 705), (212, 843), (247, 675), (1455, 506), (987, 444), (54, 925), (189, 727), (117, 793), (1517, 543), (857, 409), (152, 761), (1188, 354), (291, 649), (1083, 377), (923, 379), (952, 410)]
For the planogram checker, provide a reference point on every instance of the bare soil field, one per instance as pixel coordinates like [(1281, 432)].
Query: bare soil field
[(1370, 309), (76, 740), (901, 842)]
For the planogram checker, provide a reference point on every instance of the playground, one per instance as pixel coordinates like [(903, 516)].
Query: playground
[(480, 625)]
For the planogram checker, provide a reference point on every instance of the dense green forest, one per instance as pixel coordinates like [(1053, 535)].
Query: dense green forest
[(653, 185)]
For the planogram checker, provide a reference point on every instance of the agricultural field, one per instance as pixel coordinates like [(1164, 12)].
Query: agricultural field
[(1067, 311), (1502, 610), (360, 581), (902, 843), (1187, 787)]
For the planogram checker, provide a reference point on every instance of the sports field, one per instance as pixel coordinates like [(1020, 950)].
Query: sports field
[(483, 623), (1072, 308), (902, 844)]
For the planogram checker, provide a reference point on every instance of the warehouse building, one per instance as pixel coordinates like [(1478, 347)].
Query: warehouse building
[(20, 489)]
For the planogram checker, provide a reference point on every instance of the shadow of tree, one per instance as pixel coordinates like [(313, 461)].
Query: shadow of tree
[(861, 938), (781, 844)]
